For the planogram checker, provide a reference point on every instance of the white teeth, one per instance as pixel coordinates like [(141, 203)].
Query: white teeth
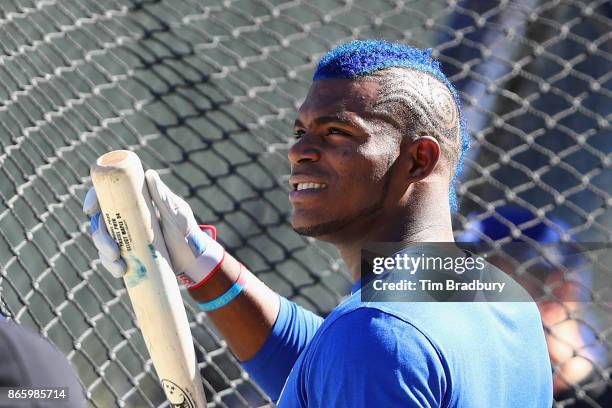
[(305, 186)]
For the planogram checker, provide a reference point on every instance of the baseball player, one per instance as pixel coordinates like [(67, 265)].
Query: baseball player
[(379, 141)]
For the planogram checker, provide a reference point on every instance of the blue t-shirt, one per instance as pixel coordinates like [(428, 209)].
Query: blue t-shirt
[(419, 354)]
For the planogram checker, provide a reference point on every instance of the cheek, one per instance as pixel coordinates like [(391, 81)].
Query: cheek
[(362, 176), (363, 168), (375, 164), (354, 168)]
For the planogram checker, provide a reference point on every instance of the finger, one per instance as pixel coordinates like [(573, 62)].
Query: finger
[(175, 213), (95, 221), (176, 219), (105, 244), (159, 193), (157, 188), (165, 200), (117, 268), (90, 203)]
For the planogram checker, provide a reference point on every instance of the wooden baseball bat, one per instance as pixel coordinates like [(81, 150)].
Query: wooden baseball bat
[(131, 220)]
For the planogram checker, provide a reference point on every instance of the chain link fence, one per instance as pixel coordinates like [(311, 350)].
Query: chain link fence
[(206, 92)]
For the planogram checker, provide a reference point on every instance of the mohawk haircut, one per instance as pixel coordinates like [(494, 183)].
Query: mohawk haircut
[(363, 58)]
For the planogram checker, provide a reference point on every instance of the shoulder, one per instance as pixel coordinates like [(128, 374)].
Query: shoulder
[(375, 335), (375, 327), (369, 347), (360, 324)]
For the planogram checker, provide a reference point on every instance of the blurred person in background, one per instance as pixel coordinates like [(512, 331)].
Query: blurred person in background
[(27, 361), (555, 57), (578, 357)]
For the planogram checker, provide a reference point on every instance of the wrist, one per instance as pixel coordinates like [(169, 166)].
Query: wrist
[(228, 296)]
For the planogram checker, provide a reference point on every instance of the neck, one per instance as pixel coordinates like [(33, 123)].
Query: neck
[(416, 221)]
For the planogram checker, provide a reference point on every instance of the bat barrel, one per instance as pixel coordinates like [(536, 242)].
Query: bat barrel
[(131, 220), (117, 158)]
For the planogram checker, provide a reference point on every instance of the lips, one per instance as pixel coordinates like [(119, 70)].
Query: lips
[(304, 186), (301, 195), (304, 180)]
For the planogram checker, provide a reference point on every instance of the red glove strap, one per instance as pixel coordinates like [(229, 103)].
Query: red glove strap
[(210, 230)]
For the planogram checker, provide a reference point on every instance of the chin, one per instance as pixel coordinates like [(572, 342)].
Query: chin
[(305, 218), (304, 228), (324, 230), (314, 232)]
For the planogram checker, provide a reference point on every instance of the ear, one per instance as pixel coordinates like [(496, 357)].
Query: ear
[(421, 156)]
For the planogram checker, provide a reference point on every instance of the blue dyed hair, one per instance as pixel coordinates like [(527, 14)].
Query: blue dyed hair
[(364, 57)]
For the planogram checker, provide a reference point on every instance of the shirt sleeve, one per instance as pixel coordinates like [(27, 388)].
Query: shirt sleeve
[(293, 330), (369, 358)]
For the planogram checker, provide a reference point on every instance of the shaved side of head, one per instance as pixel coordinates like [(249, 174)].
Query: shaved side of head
[(421, 105)]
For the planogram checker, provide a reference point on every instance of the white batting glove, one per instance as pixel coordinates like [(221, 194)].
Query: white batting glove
[(108, 250), (194, 255)]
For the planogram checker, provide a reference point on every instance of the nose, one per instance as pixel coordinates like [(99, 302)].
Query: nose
[(304, 151)]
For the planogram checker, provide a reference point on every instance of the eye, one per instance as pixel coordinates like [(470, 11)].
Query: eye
[(298, 133), (337, 131)]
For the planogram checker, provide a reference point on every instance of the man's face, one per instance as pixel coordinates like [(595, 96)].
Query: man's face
[(341, 159)]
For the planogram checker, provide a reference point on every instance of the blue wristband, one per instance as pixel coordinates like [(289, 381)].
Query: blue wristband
[(227, 297)]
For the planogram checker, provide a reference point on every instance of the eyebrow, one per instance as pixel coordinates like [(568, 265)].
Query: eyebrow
[(341, 119)]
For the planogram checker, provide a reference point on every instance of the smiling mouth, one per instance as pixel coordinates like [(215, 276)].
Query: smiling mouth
[(308, 186)]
